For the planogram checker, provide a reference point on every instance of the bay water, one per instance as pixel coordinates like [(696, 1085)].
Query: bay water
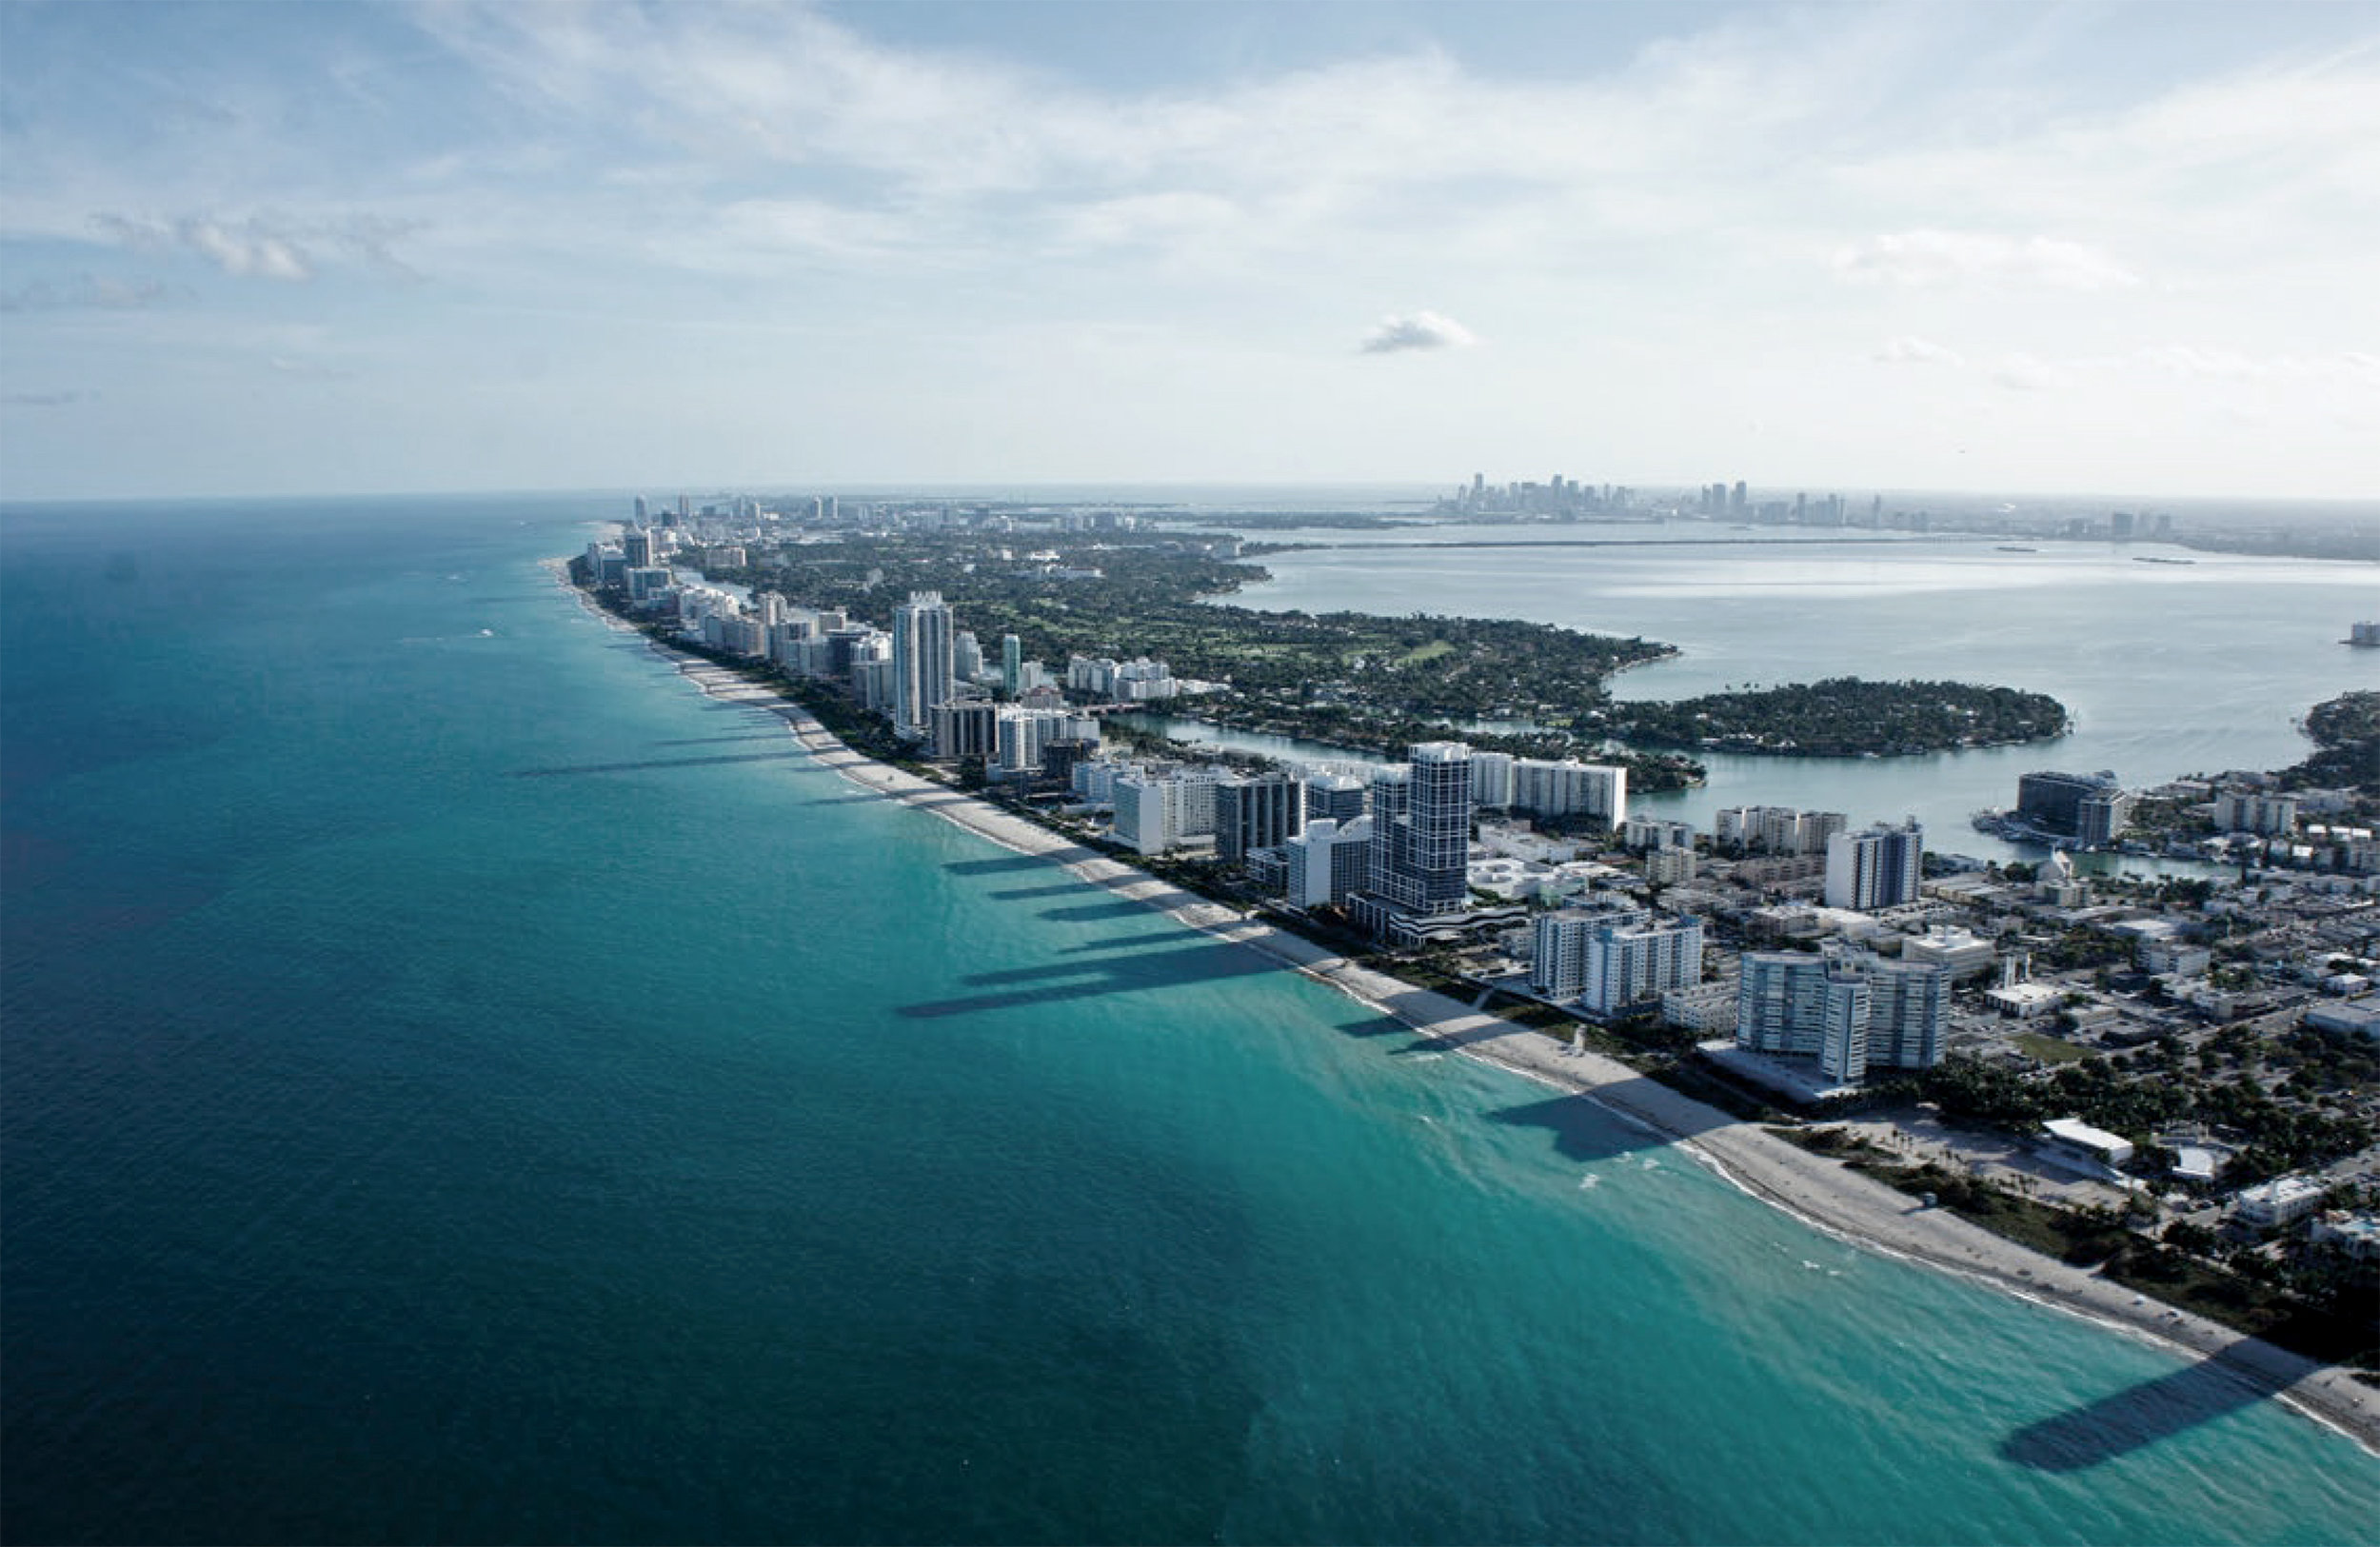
[(458, 1084), (2189, 662)]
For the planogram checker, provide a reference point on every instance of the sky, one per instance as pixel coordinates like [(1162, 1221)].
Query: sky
[(285, 249)]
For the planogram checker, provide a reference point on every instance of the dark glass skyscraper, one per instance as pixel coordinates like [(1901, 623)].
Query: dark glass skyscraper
[(1422, 831)]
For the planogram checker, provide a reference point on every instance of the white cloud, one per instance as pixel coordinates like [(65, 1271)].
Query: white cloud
[(1417, 330), (1924, 258), (1906, 350), (260, 248), (2022, 372), (91, 292), (248, 248)]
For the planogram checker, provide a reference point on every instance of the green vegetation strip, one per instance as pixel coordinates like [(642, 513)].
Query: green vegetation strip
[(1845, 716)]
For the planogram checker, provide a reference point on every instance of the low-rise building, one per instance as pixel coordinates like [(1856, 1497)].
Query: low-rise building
[(2172, 957), (2356, 1234), (2075, 1143), (2024, 1001), (2284, 1201), (1672, 866), (2353, 1017), (1966, 955)]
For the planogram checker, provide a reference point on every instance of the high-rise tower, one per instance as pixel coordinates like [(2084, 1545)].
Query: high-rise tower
[(1878, 868), (925, 661), (1422, 831)]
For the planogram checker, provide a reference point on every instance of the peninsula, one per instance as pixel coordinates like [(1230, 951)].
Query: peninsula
[(2160, 1109)]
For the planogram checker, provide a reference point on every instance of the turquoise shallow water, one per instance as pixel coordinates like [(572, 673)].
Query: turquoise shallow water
[(460, 1084)]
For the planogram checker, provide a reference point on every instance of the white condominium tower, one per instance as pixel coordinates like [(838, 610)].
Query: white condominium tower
[(1852, 1011), (925, 661)]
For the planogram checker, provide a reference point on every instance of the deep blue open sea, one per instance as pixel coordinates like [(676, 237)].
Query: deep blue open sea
[(457, 1083)]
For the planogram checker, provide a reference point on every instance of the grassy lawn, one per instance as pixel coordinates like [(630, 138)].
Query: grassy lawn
[(2050, 1049), (1427, 652)]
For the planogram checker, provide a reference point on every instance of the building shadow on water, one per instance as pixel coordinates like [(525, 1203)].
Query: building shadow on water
[(1018, 894), (1139, 972), (1129, 943), (726, 740), (2143, 1415), (1584, 1131), (640, 765), (1124, 908), (1000, 865)]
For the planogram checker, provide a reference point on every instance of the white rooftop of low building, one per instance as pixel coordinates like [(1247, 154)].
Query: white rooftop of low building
[(2282, 1190), (1798, 1078), (2076, 1131)]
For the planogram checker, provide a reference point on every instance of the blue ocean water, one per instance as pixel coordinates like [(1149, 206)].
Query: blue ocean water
[(459, 1085)]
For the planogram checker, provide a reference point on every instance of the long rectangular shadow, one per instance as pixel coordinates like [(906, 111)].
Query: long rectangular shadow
[(1191, 957), (658, 762), (1129, 943), (1095, 911), (724, 740), (1201, 963), (993, 867), (2142, 1414), (1017, 894)]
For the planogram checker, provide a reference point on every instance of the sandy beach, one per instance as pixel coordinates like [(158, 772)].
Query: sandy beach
[(1816, 1190)]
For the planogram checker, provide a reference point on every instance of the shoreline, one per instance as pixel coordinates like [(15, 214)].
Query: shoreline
[(1815, 1190)]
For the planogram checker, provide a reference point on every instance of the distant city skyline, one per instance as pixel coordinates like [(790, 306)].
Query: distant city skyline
[(250, 249)]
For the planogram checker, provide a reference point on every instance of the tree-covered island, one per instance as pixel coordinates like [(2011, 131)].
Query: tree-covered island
[(1841, 717)]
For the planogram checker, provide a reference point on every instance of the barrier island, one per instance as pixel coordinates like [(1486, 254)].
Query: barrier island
[(1369, 681)]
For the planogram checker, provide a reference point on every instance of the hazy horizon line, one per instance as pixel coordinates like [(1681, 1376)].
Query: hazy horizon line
[(1417, 490)]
